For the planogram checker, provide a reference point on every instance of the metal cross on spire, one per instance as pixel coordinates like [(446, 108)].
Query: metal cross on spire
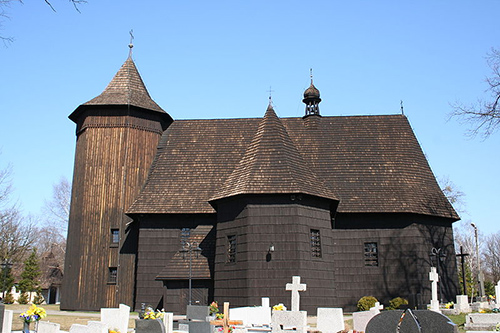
[(311, 74), (131, 45), (270, 91)]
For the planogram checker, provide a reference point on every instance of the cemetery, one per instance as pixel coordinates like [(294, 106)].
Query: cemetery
[(265, 318)]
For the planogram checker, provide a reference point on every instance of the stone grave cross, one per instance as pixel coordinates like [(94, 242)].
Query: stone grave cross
[(225, 322), (295, 287), (434, 278)]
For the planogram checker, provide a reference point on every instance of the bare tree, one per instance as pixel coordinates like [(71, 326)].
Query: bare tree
[(484, 116), (453, 194), (56, 210), (491, 257)]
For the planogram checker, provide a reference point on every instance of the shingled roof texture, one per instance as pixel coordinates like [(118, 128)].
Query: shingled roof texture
[(371, 164)]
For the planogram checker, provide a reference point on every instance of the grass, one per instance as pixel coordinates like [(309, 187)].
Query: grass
[(459, 320), (65, 320)]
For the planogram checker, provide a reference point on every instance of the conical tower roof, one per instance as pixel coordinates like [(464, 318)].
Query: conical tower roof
[(272, 164), (126, 88)]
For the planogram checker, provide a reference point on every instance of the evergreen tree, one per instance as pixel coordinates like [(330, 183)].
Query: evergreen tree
[(29, 277)]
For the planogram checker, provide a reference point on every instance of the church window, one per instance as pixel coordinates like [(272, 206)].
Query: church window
[(371, 254), (115, 237), (315, 243), (113, 275), (231, 248)]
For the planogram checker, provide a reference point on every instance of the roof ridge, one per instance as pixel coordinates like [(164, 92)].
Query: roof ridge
[(272, 164)]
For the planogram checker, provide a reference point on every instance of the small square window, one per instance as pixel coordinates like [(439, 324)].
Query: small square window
[(315, 243), (231, 248), (115, 237), (113, 275), (371, 254)]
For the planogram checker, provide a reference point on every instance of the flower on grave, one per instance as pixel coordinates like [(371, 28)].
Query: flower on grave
[(449, 305), (279, 307), (151, 314), (497, 328), (34, 313), (221, 329), (491, 297), (213, 308), (219, 315), (113, 331)]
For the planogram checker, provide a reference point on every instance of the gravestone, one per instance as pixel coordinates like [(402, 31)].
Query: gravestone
[(77, 328), (97, 327), (47, 327), (196, 319), (7, 321), (462, 305), (149, 326), (168, 321), (2, 311), (295, 287), (434, 278), (497, 294), (429, 321), (253, 316), (330, 320), (225, 322), (288, 321), (116, 318), (481, 321), (362, 318)]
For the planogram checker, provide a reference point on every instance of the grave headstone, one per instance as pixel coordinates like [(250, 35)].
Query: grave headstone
[(481, 321), (196, 322), (429, 321), (97, 327), (462, 305), (288, 321), (7, 321), (434, 278), (2, 310), (77, 328), (295, 287), (497, 294), (360, 319), (253, 316), (47, 327), (168, 321), (116, 318), (330, 320), (149, 326)]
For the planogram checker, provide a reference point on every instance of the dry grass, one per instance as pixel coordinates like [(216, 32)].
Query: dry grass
[(65, 319)]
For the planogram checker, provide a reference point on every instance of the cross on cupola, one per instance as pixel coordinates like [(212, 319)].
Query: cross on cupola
[(311, 99)]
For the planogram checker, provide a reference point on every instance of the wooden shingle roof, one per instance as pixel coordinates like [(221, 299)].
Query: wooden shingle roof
[(272, 164), (371, 164), (126, 88)]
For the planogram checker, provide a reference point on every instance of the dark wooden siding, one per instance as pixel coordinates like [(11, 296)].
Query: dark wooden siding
[(112, 160), (257, 272)]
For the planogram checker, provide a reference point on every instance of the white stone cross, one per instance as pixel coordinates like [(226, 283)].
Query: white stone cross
[(434, 278), (295, 287)]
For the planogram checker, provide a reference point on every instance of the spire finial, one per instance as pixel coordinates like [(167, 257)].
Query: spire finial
[(402, 109), (131, 32), (270, 91), (311, 74)]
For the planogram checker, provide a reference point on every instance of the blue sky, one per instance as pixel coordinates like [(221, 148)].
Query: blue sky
[(217, 59)]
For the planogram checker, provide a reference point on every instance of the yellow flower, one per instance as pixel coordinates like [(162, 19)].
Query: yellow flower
[(279, 307)]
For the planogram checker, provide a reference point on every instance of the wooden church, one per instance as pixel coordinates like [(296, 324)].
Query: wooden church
[(236, 207)]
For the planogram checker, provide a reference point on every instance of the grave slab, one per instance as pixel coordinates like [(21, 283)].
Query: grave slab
[(77, 328), (168, 321), (149, 326), (462, 305), (7, 321), (330, 320), (47, 327), (288, 321), (97, 327), (430, 321), (481, 321), (360, 319)]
